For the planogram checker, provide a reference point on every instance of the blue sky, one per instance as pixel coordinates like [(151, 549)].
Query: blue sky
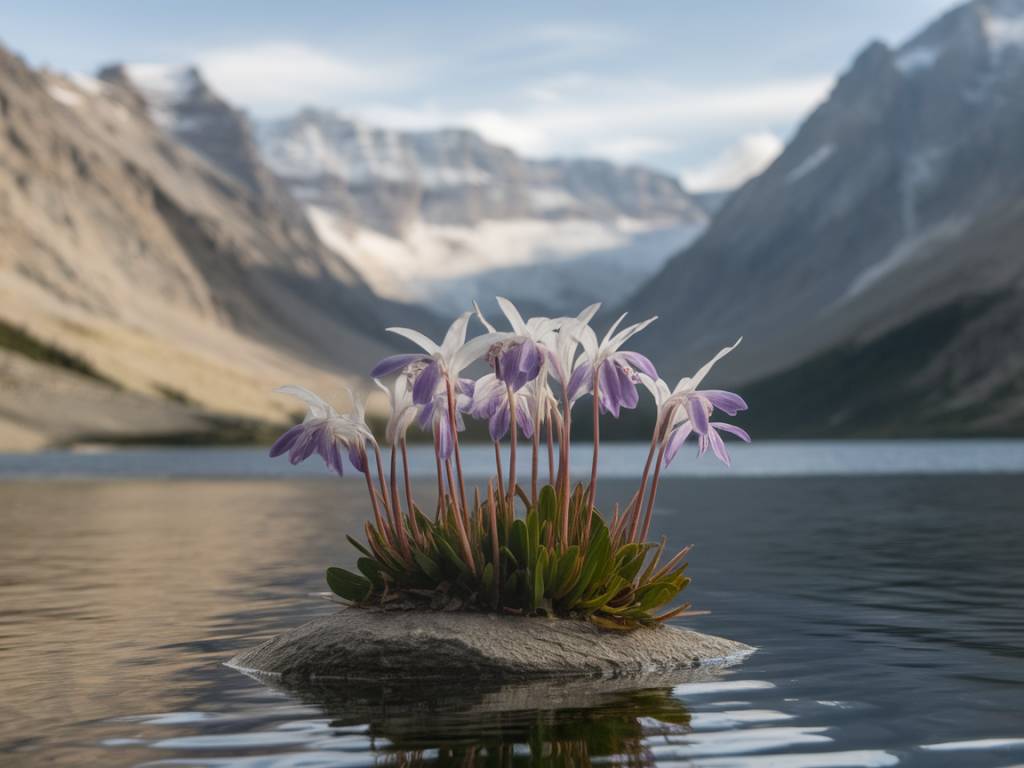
[(708, 91)]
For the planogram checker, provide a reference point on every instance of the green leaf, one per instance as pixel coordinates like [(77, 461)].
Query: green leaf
[(488, 578), (538, 580), (348, 585), (360, 546), (596, 562), (428, 565), (601, 600), (547, 505), (372, 570), (533, 537), (518, 542), (454, 559), (512, 559), (564, 572)]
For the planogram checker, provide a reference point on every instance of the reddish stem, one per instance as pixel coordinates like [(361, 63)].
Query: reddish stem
[(455, 442), (513, 431)]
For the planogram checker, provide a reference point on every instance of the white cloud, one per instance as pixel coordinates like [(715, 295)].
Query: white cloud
[(582, 115), (573, 112), (737, 163), (279, 75), (628, 149)]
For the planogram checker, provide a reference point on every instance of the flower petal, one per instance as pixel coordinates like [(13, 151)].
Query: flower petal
[(318, 407), (286, 441), (444, 439), (609, 391), (426, 383), (418, 339), (472, 351), (729, 402), (498, 424), (640, 363), (395, 363), (706, 368), (718, 447), (732, 429), (581, 381), (523, 419), (357, 455), (676, 440), (456, 335), (698, 416), (514, 318)]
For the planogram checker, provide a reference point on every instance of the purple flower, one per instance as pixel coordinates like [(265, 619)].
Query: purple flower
[(324, 431), (709, 439), (687, 410), (438, 361), (433, 416), (618, 372), (491, 402), (516, 363)]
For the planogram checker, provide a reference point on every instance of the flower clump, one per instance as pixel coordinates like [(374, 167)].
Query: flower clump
[(530, 541)]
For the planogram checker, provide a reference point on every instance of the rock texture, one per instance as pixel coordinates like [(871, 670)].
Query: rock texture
[(367, 644), (178, 280)]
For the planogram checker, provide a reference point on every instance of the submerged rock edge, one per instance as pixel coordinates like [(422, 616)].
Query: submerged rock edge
[(362, 644)]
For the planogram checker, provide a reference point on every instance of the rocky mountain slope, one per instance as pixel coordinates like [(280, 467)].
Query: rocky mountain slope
[(881, 251), (184, 289), (438, 215)]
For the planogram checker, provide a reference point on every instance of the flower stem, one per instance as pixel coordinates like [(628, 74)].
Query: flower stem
[(413, 522), (380, 478), (396, 506), (593, 463), (455, 442), (495, 553), (551, 446), (513, 432), (501, 471), (441, 501), (381, 526), (643, 484), (654, 493), (460, 527), (563, 446)]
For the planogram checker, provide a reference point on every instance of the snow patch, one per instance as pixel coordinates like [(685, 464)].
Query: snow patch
[(357, 153), (64, 95), (811, 162), (88, 84), (906, 251), (164, 88), (1004, 31), (916, 59), (436, 263), (543, 199)]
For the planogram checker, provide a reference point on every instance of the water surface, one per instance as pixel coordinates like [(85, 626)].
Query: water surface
[(887, 611)]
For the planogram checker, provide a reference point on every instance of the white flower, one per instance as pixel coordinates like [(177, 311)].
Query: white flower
[(323, 430), (447, 359)]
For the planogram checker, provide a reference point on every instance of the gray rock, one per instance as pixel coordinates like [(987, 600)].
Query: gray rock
[(367, 644)]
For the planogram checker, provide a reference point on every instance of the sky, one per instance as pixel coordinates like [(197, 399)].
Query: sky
[(706, 91)]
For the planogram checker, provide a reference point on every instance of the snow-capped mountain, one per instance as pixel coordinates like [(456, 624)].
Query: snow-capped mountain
[(891, 224), (438, 215), (146, 289)]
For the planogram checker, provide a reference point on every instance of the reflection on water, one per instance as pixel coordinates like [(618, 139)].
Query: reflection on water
[(886, 610)]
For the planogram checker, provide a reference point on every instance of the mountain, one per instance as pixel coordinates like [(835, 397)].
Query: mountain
[(877, 261), (143, 287), (436, 216)]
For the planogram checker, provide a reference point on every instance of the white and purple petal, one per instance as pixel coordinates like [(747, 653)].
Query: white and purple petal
[(728, 402), (396, 363)]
